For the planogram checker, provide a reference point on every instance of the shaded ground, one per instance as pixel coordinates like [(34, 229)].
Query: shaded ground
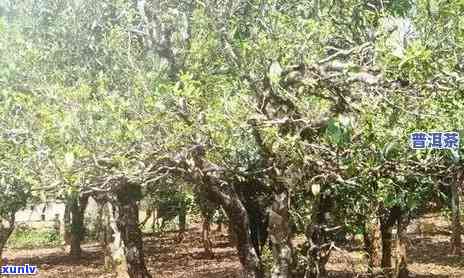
[(165, 258), (172, 260), (428, 255)]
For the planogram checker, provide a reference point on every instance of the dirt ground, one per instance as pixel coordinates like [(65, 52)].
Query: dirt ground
[(428, 257)]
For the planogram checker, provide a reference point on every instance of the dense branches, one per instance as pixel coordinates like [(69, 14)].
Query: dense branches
[(293, 116)]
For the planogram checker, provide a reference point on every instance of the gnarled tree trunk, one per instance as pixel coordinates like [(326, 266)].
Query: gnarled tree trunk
[(226, 195), (386, 225), (387, 248), (127, 219), (207, 244), (250, 261), (387, 245), (373, 242), (240, 227), (76, 229), (78, 206), (318, 253), (401, 270), (115, 260), (207, 209), (279, 233), (5, 232)]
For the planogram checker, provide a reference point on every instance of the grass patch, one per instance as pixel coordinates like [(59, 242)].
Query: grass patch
[(26, 238)]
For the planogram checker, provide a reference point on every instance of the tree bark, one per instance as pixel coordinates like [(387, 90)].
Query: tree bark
[(231, 235), (5, 233), (235, 211), (99, 228), (127, 220), (401, 270), (393, 215), (279, 233), (67, 224), (387, 245), (319, 249), (207, 208), (207, 244), (456, 216), (240, 228), (75, 239), (373, 242), (247, 254), (78, 206), (115, 260)]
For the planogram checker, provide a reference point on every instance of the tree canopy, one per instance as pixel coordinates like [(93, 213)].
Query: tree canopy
[(309, 103)]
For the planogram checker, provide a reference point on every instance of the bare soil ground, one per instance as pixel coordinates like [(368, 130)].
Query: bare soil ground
[(428, 257)]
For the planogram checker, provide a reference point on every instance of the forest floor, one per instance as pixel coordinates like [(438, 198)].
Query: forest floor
[(428, 257)]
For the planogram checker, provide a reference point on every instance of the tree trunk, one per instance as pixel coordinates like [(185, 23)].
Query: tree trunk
[(456, 216), (231, 234), (236, 212), (221, 220), (127, 219), (182, 223), (240, 228), (207, 209), (373, 242), (393, 215), (99, 228), (401, 270), (115, 260), (5, 233), (279, 233), (247, 254), (75, 238), (207, 244), (318, 253), (78, 206), (67, 224), (386, 232)]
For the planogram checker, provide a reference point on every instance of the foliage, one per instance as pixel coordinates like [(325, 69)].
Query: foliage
[(14, 195), (28, 238), (313, 98)]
